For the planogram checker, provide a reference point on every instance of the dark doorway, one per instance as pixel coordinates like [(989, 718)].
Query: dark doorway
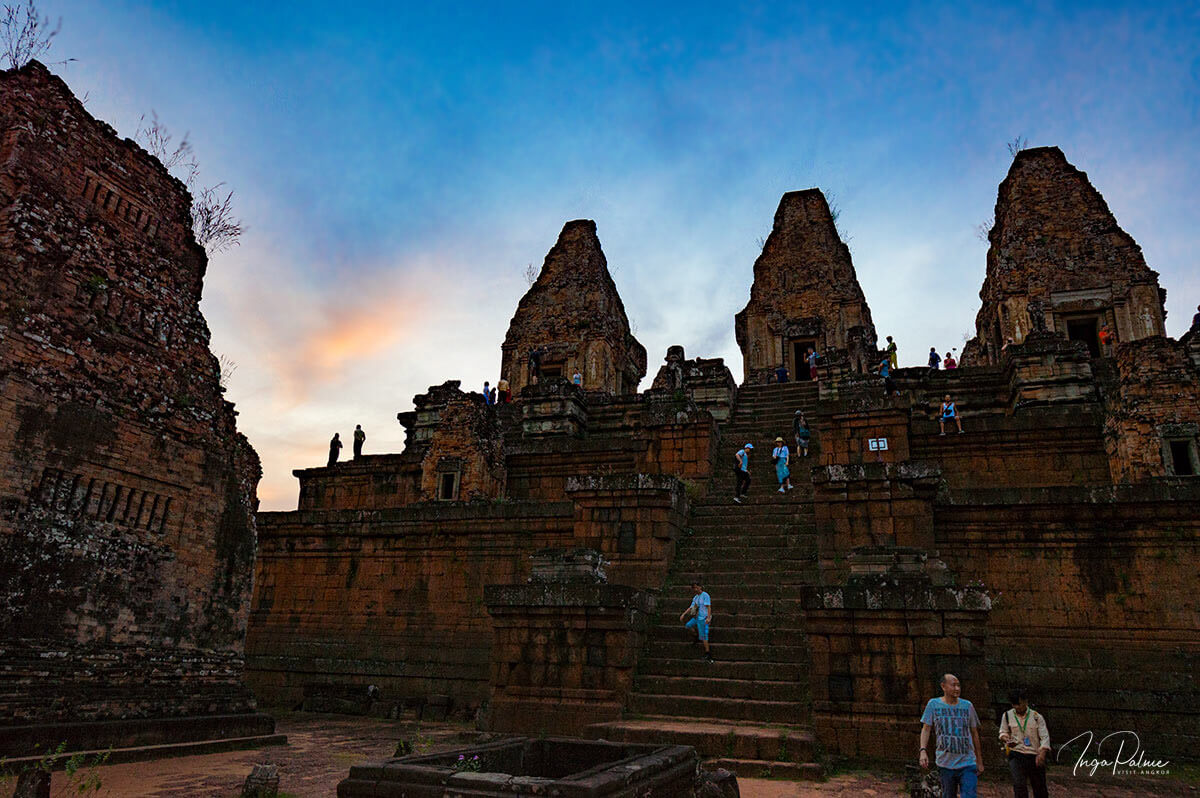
[(553, 369), (1181, 458), (800, 349), (1086, 330)]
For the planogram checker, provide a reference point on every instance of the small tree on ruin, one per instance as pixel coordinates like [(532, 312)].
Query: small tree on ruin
[(213, 222), (25, 34)]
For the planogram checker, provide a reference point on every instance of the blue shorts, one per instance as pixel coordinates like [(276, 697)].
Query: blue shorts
[(700, 626)]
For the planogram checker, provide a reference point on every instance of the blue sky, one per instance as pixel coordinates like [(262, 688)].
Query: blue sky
[(399, 165)]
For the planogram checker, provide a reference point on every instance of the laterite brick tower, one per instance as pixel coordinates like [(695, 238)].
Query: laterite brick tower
[(805, 293), (574, 313), (126, 493), (1057, 251)]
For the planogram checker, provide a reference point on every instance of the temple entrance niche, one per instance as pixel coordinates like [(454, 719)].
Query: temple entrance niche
[(1085, 328), (799, 349)]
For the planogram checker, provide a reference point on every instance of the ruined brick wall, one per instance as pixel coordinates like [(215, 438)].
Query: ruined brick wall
[(1152, 398), (126, 494), (805, 289), (574, 312), (392, 598), (373, 482), (1056, 241), (1093, 589)]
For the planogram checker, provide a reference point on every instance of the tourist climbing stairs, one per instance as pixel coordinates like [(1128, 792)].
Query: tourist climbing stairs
[(748, 711)]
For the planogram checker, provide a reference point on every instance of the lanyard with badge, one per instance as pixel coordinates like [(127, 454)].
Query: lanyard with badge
[(1022, 726)]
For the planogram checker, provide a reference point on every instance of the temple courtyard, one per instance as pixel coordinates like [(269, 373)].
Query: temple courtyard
[(321, 748)]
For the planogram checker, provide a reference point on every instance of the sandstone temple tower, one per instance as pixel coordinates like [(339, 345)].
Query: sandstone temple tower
[(573, 312), (805, 293), (1058, 260), (126, 492)]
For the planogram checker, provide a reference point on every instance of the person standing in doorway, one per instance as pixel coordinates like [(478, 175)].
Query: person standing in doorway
[(782, 472), (801, 432), (359, 438), (1106, 338), (959, 755), (335, 449), (891, 352), (811, 357), (535, 365), (741, 473), (1027, 742), (701, 614), (935, 360)]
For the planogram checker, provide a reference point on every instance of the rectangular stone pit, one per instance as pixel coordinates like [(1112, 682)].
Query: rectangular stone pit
[(553, 766)]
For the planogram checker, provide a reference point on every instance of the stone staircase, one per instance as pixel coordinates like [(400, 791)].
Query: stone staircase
[(748, 711)]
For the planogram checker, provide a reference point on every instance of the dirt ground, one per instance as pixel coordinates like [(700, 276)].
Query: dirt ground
[(321, 749)]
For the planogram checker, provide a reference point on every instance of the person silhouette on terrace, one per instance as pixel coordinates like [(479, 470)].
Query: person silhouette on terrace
[(359, 438), (935, 360), (781, 373), (1195, 321), (701, 616), (335, 448), (487, 393), (891, 352), (949, 362), (949, 412)]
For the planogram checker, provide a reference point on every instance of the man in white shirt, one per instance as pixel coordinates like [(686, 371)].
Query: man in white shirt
[(701, 612), (1027, 742)]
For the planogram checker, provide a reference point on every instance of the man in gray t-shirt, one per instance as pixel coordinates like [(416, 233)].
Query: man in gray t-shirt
[(959, 755)]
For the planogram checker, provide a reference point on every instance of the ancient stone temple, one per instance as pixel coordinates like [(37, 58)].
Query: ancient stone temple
[(574, 319), (526, 563), (805, 295), (126, 492), (1058, 260)]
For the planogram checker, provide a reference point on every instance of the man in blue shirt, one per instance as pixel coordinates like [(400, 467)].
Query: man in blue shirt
[(959, 755), (935, 360), (701, 612)]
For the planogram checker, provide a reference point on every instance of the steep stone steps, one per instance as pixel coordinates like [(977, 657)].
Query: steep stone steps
[(743, 635), (730, 652), (749, 709), (738, 746), (722, 669), (764, 689), (702, 706)]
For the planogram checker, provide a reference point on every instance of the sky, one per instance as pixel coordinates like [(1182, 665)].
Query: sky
[(398, 166)]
